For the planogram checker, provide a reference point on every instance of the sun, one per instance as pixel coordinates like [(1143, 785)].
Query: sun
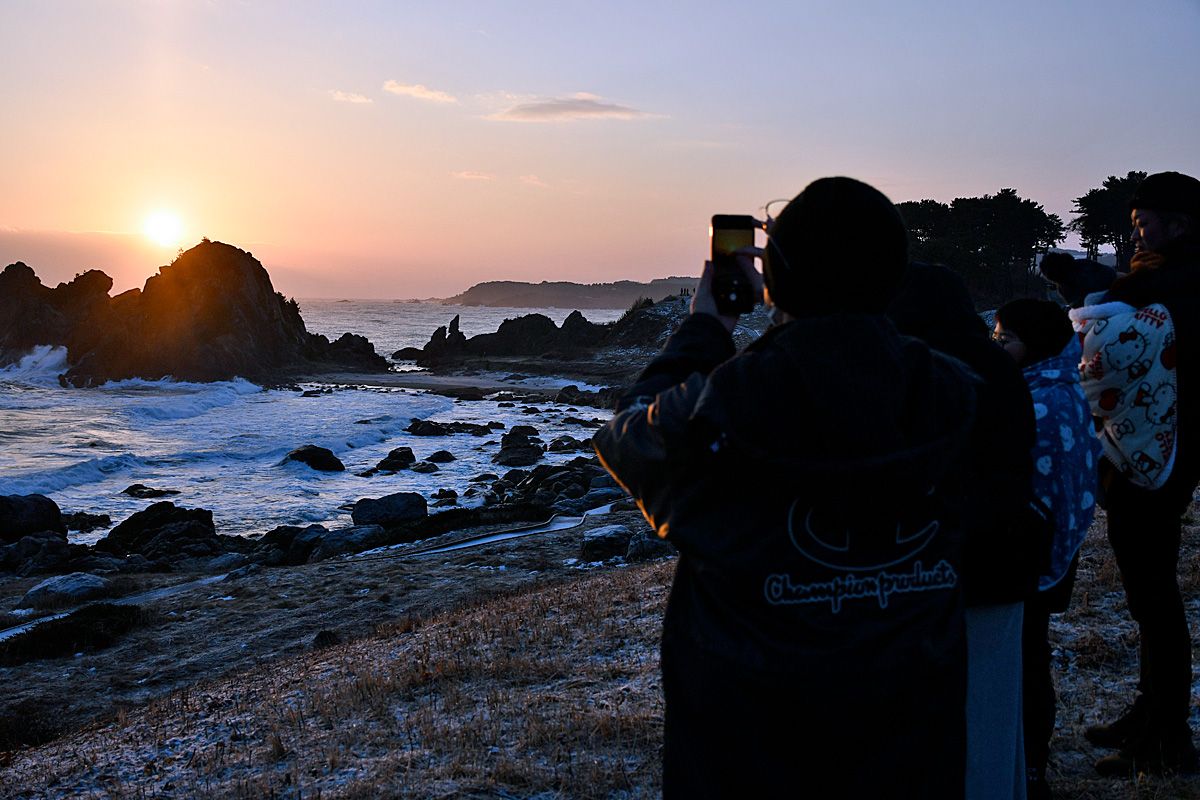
[(163, 228)]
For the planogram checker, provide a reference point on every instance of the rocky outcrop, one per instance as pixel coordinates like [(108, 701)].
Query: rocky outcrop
[(21, 515), (212, 314), (319, 458), (393, 509), (520, 447), (167, 532)]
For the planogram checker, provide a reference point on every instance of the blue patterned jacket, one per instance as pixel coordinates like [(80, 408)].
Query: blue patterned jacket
[(1065, 456)]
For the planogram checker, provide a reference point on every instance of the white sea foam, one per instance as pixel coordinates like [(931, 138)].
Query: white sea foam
[(41, 367), (220, 445)]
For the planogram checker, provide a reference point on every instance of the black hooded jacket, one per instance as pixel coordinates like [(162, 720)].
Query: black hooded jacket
[(1005, 548), (797, 480)]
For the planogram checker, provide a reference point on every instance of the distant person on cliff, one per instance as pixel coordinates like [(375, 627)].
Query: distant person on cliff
[(1141, 373), (813, 640), (1005, 541), (1038, 336)]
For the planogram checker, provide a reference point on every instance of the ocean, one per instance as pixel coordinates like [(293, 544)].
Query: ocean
[(220, 445)]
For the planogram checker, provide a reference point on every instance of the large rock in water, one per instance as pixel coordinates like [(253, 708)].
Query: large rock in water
[(212, 314), (319, 458), (23, 514)]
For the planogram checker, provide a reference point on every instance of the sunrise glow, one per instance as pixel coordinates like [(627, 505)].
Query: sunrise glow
[(163, 228)]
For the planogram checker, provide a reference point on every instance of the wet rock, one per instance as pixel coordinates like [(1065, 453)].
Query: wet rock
[(84, 522), (601, 544), (398, 459), (319, 458), (604, 481), (646, 545), (485, 477), (441, 494), (143, 492), (518, 449), (21, 515), (65, 590), (441, 457), (425, 427), (424, 467), (567, 444), (393, 509), (408, 354), (585, 423), (300, 543), (593, 499)]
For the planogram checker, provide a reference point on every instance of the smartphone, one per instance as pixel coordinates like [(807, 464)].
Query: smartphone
[(732, 289)]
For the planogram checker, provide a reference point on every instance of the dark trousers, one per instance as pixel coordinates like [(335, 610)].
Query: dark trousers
[(1144, 530), (1038, 699)]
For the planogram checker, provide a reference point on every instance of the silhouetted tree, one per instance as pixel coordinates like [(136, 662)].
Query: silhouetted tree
[(992, 241), (1102, 217)]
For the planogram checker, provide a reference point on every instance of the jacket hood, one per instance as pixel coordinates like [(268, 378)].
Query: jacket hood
[(822, 397), (1061, 369)]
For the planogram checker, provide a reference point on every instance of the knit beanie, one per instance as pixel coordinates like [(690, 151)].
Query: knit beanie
[(1170, 192), (1041, 325), (838, 246)]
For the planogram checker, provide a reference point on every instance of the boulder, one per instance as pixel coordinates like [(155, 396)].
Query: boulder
[(393, 509), (440, 457), (65, 590), (408, 354), (301, 544), (164, 530), (518, 449), (319, 458), (21, 515), (647, 545), (84, 522), (424, 467), (398, 459), (347, 540), (603, 543), (37, 553)]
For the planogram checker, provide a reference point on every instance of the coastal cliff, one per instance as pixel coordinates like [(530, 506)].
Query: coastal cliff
[(212, 314)]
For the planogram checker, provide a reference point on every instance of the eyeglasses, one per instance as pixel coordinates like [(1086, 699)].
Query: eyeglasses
[(768, 225)]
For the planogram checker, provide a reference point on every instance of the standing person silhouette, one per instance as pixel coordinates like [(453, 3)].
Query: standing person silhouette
[(1141, 371), (813, 640)]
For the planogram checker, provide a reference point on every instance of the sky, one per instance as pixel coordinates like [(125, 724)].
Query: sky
[(412, 149)]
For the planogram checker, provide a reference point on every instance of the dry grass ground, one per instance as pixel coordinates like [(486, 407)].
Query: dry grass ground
[(543, 685)]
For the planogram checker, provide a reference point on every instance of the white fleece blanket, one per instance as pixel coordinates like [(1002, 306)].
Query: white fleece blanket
[(1128, 375)]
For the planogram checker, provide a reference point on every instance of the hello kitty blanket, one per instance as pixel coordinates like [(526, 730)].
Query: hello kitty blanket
[(1128, 375)]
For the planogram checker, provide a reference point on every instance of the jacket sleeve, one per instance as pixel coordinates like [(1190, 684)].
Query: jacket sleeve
[(646, 442), (699, 344)]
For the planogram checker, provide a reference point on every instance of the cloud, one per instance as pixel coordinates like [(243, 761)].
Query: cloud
[(533, 180), (419, 92), (568, 109), (468, 175), (349, 97)]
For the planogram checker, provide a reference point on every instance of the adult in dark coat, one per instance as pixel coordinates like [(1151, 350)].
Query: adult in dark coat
[(813, 641), (1144, 525), (1005, 546)]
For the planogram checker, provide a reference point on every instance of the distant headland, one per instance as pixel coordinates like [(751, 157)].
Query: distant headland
[(565, 294)]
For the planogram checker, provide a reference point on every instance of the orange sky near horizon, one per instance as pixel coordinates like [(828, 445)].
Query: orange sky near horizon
[(374, 150)]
